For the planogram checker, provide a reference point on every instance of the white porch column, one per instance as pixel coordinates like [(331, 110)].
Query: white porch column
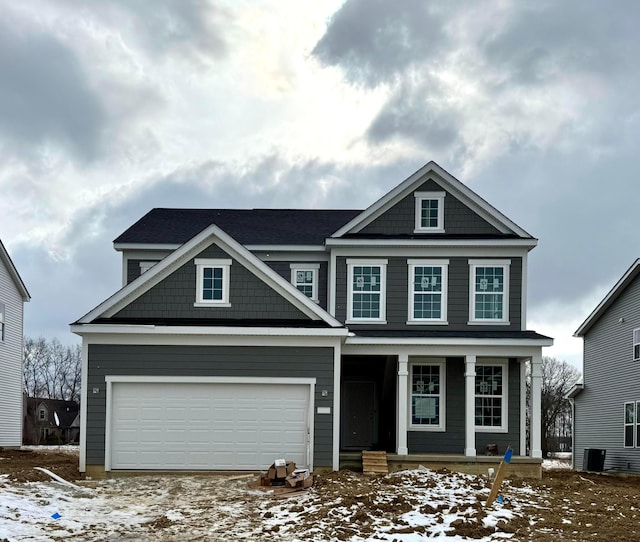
[(536, 405), (523, 407), (469, 402), (403, 415)]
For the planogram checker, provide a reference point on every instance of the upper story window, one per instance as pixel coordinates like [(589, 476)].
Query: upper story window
[(636, 344), (429, 212), (489, 291), (491, 397), (305, 278), (428, 291), (42, 413), (145, 266), (2, 321), (632, 424), (212, 282), (428, 396), (366, 291)]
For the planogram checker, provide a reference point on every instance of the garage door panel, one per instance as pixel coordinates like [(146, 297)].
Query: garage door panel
[(207, 425)]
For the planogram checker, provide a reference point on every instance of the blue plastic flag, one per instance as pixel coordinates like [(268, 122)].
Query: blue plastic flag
[(56, 516), (500, 499), (507, 456)]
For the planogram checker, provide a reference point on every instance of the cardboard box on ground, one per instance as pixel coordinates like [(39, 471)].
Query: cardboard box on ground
[(284, 473)]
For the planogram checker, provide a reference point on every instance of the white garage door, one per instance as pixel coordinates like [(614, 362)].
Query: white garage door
[(208, 425)]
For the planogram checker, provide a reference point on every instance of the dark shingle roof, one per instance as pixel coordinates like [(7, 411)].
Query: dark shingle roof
[(247, 226)]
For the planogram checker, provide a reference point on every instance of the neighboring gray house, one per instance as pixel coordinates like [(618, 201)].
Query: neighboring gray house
[(13, 294), (51, 421), (241, 336), (607, 403)]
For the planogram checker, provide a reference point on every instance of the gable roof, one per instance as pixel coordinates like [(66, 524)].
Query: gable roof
[(609, 299), (247, 226), (212, 234), (13, 273), (448, 183)]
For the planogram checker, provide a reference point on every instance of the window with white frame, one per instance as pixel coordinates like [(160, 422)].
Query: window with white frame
[(490, 407), (429, 212), (42, 414), (305, 278), (489, 291), (428, 291), (427, 395), (212, 282), (630, 424), (366, 295), (145, 266), (636, 344), (2, 321)]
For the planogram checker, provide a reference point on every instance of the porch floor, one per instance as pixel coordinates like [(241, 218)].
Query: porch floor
[(520, 466)]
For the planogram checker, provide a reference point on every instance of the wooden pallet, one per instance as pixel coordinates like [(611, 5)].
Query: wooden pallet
[(374, 463)]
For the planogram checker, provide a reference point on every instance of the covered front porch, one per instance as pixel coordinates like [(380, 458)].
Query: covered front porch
[(442, 405)]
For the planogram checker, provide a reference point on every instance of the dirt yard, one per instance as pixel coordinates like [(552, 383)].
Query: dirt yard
[(563, 506)]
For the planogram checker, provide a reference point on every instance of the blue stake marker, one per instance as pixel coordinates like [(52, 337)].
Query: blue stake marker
[(56, 516)]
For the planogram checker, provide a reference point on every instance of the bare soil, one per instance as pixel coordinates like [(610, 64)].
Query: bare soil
[(564, 505)]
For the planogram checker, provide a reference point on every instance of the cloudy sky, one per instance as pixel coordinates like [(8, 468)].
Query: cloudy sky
[(108, 109)]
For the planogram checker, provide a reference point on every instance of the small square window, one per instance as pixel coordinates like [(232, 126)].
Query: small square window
[(636, 344), (305, 278), (429, 212), (212, 282)]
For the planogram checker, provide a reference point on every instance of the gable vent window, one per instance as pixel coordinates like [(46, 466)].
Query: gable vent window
[(2, 318), (636, 344), (305, 278), (212, 282), (429, 212)]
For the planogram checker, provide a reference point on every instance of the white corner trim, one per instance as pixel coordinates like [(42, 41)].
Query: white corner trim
[(84, 375)]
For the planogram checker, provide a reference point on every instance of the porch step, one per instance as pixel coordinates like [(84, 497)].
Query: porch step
[(374, 463)]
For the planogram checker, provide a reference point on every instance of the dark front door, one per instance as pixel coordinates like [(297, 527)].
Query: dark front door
[(359, 415)]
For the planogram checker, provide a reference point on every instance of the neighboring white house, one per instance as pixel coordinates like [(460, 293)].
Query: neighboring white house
[(13, 294)]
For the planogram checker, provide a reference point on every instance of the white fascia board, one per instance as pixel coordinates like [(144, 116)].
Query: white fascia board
[(450, 184), (418, 252), (285, 248), (575, 391), (208, 379), (13, 273), (447, 350), (183, 254), (354, 243), (146, 246), (124, 329), (436, 341), (613, 294)]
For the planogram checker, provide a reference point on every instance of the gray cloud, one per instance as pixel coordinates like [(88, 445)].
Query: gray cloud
[(377, 40), (45, 96)]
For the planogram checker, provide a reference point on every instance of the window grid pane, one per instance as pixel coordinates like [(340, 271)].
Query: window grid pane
[(304, 281), (489, 293), (488, 391), (425, 395), (212, 283), (366, 284), (429, 213)]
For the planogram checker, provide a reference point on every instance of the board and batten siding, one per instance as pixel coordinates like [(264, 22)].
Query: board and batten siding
[(397, 296), (458, 218), (453, 440), (174, 296), (611, 378), (227, 361), (11, 362)]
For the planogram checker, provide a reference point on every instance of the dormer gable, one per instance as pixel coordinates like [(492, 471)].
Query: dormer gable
[(431, 203)]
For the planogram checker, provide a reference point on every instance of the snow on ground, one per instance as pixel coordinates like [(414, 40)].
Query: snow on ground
[(405, 507)]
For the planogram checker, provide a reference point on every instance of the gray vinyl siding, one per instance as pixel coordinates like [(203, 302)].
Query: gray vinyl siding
[(174, 296), (284, 270), (453, 440), (11, 361), (397, 297), (133, 268), (458, 218), (611, 378), (174, 360)]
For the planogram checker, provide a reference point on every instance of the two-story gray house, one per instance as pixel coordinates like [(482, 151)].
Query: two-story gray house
[(606, 404), (241, 336), (13, 295)]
